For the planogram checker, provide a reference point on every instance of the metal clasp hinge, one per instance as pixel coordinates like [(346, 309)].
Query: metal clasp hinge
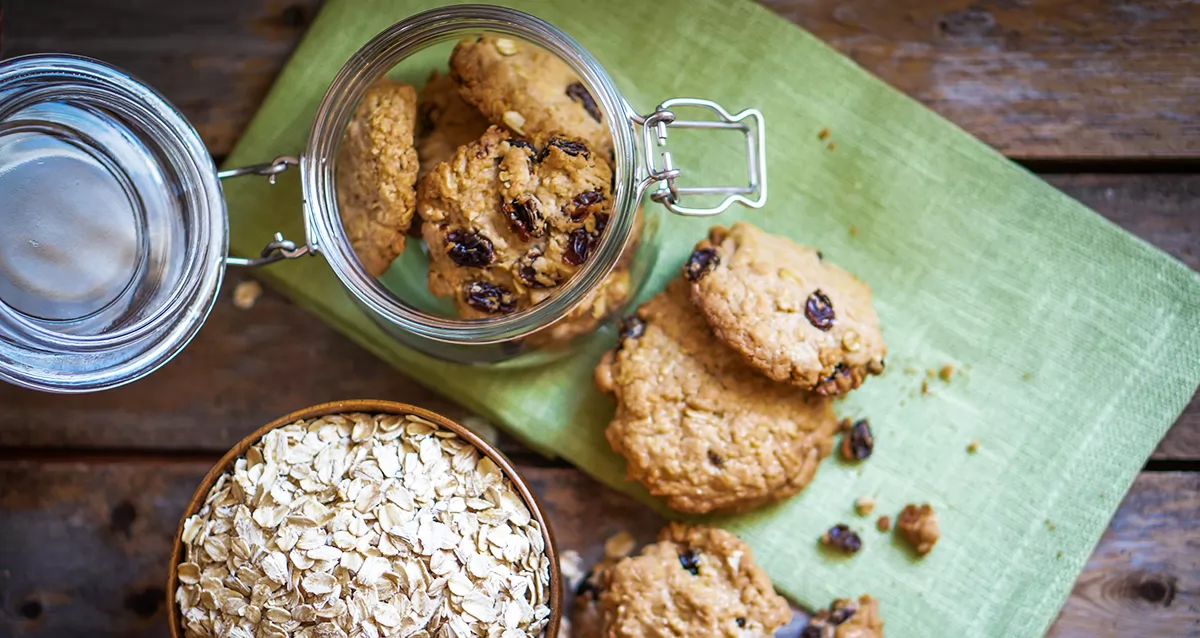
[(278, 248), (668, 193)]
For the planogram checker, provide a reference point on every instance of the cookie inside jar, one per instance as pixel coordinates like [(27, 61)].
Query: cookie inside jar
[(476, 179)]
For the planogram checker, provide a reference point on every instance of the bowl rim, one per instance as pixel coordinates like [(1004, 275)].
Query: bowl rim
[(368, 406)]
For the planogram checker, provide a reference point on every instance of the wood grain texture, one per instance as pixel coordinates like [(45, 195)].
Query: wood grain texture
[(1035, 79), (214, 60), (84, 547), (1045, 79), (1144, 577), (241, 371)]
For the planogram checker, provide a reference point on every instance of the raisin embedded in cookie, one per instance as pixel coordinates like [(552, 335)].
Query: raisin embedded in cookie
[(507, 222), (792, 315), (846, 619), (699, 426), (696, 581), (446, 122), (529, 90), (376, 174)]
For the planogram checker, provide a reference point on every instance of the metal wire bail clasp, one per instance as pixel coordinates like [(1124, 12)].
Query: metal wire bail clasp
[(668, 193), (278, 248)]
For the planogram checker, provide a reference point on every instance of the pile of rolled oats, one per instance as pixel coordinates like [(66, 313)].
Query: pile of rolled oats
[(363, 526)]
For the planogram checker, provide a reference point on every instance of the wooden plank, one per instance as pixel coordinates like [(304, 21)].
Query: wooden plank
[(214, 60), (1036, 80), (1144, 577), (84, 547)]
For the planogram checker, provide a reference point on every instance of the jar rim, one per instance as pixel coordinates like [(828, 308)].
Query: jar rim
[(376, 58), (137, 349)]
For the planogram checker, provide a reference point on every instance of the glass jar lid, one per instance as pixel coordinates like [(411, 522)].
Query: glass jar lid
[(115, 231)]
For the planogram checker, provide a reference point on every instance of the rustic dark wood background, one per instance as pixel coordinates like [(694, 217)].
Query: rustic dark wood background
[(1101, 98)]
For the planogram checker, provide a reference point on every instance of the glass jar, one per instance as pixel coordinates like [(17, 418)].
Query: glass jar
[(93, 301)]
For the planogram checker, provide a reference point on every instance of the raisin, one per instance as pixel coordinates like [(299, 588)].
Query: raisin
[(487, 297), (525, 217), (471, 250), (741, 622), (570, 147), (702, 262), (690, 561), (579, 93), (840, 615), (715, 459), (519, 143), (843, 538), (858, 443), (632, 327), (583, 204), (819, 310), (601, 223), (579, 245)]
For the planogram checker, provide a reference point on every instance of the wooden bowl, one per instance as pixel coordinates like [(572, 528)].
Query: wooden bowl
[(368, 407)]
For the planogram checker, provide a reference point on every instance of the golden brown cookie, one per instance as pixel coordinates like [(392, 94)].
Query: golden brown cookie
[(506, 222), (699, 426), (696, 581), (793, 316), (446, 122), (376, 174), (847, 619), (529, 90)]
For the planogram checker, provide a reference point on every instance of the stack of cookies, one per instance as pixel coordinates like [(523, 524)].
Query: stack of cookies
[(724, 381), (502, 166)]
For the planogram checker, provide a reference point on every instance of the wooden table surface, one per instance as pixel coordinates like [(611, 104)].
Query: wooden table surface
[(1100, 98)]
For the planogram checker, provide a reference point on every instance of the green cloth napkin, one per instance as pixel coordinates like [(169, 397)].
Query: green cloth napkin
[(1078, 343)]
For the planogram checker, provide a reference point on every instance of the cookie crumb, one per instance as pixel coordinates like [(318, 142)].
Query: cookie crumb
[(864, 505), (919, 526), (1028, 376), (924, 387), (853, 230), (884, 524), (823, 134), (1059, 555), (1049, 525), (246, 294), (946, 372), (842, 538), (973, 447), (619, 545), (831, 146)]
